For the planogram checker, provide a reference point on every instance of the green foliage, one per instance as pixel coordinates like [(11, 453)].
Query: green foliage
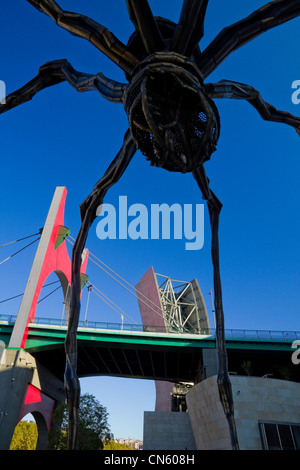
[(285, 373), (113, 445), (57, 439), (247, 367), (93, 427), (25, 436)]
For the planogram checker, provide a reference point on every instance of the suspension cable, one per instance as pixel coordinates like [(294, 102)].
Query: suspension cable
[(124, 280), (122, 311), (21, 239), (50, 293), (98, 293), (102, 298), (125, 287), (20, 295), (14, 254)]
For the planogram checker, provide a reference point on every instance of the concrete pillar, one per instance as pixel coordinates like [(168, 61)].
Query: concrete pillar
[(14, 377), (2, 349), (22, 378), (210, 362)]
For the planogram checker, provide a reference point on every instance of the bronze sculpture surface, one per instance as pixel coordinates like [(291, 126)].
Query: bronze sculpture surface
[(173, 121)]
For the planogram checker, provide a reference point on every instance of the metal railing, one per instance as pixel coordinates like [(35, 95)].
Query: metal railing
[(238, 334), (100, 325)]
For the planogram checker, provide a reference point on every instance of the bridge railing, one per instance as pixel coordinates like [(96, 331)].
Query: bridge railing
[(262, 335), (258, 335)]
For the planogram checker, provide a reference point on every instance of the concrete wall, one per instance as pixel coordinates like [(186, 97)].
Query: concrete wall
[(163, 395), (255, 399), (207, 416), (18, 371), (168, 431)]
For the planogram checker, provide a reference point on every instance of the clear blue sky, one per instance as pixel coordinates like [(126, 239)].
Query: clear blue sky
[(65, 138)]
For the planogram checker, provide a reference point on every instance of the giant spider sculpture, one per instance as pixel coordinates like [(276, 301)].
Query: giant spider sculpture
[(173, 121)]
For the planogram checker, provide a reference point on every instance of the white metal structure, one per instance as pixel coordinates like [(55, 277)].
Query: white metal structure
[(183, 305)]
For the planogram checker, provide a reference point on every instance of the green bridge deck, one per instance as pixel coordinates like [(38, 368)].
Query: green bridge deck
[(149, 353)]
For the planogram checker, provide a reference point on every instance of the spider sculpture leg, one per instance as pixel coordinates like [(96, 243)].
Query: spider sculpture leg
[(88, 215), (59, 71), (145, 23), (50, 74), (86, 28), (190, 28), (238, 34), (229, 89), (224, 385)]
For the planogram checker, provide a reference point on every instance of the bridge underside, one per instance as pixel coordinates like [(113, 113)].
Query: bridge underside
[(168, 364), (140, 363)]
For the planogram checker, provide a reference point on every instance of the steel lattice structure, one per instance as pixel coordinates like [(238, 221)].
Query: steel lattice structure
[(182, 305), (173, 121)]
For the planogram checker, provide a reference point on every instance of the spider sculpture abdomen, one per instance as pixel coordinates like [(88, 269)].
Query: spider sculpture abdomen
[(174, 123)]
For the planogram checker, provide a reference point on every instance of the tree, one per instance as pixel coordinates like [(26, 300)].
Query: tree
[(93, 426), (113, 445), (25, 436)]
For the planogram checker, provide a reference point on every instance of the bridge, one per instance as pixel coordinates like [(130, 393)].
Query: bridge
[(138, 351), (180, 347)]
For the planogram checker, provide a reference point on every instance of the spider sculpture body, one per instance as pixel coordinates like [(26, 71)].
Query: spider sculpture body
[(171, 117), (173, 121)]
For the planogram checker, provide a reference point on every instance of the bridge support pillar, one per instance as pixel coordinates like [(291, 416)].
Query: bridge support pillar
[(26, 387), (210, 362)]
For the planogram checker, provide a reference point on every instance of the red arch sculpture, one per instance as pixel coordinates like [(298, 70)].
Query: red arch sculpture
[(51, 256)]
